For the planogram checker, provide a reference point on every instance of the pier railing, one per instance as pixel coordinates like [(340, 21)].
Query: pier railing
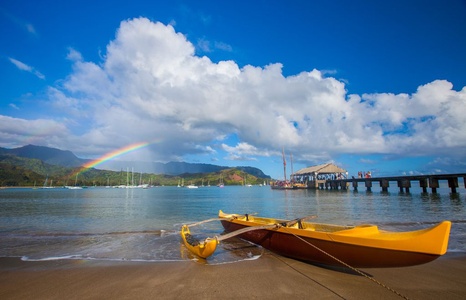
[(404, 183)]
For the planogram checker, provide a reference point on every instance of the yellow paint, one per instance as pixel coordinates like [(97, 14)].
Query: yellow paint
[(204, 249)]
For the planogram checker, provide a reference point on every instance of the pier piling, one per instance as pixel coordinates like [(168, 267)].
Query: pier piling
[(355, 185), (404, 184), (423, 184), (384, 184), (433, 184), (453, 184), (368, 185)]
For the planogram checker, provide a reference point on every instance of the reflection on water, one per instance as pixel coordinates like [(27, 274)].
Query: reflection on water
[(143, 224)]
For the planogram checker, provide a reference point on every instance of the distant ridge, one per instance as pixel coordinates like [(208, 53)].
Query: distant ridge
[(48, 155), (66, 158)]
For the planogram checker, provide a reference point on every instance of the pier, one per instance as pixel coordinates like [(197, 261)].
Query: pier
[(404, 183)]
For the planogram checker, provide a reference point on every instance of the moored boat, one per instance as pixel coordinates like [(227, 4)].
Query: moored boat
[(363, 246), (281, 185)]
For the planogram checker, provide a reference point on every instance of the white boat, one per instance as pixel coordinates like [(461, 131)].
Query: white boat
[(75, 187), (221, 184)]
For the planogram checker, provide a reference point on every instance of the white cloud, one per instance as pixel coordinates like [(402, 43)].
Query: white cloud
[(74, 55), (17, 132), (24, 67), (223, 46), (20, 65), (204, 45), (243, 151), (151, 86)]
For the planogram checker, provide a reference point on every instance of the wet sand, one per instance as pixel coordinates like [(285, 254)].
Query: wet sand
[(271, 276)]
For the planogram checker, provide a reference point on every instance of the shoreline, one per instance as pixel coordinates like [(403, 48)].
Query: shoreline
[(271, 276)]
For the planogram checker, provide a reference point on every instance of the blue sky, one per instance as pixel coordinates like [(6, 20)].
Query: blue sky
[(374, 86)]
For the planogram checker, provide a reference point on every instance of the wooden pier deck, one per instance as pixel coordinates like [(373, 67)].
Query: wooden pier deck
[(404, 183)]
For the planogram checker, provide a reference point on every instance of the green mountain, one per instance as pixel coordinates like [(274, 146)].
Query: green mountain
[(11, 175), (64, 158), (35, 165), (47, 155)]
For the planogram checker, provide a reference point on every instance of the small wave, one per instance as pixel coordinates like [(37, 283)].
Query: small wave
[(456, 251), (160, 233), (253, 257), (79, 257), (26, 258)]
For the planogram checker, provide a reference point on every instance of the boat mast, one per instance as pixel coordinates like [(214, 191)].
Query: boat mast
[(291, 158), (284, 163)]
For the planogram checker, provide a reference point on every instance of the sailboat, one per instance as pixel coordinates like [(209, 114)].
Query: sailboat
[(141, 184), (221, 184), (75, 187), (246, 180), (45, 183), (282, 184)]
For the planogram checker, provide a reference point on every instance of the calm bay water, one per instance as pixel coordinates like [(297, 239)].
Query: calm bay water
[(142, 224)]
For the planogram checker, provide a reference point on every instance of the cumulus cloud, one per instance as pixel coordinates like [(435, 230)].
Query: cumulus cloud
[(151, 86)]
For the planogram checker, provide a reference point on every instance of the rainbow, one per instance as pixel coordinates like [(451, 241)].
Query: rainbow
[(110, 156)]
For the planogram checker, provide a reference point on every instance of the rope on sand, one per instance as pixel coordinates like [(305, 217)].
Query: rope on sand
[(350, 267)]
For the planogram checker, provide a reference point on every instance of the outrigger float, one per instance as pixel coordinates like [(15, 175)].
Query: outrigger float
[(363, 246)]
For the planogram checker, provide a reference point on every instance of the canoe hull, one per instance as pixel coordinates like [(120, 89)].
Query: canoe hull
[(316, 250), (202, 249)]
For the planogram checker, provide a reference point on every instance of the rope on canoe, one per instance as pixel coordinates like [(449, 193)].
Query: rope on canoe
[(290, 223), (348, 266)]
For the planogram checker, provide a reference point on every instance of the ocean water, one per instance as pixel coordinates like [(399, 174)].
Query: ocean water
[(143, 224)]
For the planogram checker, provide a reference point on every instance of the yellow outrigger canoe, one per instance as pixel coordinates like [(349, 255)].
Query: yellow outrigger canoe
[(202, 249), (363, 246)]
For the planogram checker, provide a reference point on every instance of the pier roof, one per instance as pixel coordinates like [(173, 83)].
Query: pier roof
[(321, 169)]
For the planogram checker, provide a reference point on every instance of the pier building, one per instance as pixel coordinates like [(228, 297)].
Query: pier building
[(317, 176)]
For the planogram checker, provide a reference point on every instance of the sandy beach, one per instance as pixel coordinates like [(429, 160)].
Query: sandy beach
[(271, 276)]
